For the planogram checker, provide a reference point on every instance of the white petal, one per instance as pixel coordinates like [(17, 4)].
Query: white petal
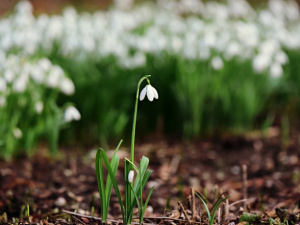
[(150, 94), (155, 93), (143, 93)]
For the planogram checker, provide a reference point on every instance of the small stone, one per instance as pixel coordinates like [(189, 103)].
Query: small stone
[(60, 202), (149, 209)]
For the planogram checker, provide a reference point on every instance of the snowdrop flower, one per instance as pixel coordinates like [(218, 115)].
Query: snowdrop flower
[(3, 85), (261, 62), (276, 70), (217, 63), (281, 57), (39, 106), (130, 176), (17, 133), (45, 64), (150, 91), (20, 84), (67, 87), (2, 101), (54, 77), (9, 75), (71, 114)]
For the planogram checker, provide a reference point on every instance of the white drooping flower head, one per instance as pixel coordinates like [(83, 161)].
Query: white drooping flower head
[(39, 106), (130, 176), (71, 114), (17, 133), (217, 63), (150, 91), (67, 86)]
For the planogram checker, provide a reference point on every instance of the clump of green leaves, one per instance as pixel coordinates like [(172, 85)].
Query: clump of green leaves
[(250, 218), (133, 189), (212, 213), (105, 189)]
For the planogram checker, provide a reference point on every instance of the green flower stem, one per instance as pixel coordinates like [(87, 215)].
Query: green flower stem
[(134, 116)]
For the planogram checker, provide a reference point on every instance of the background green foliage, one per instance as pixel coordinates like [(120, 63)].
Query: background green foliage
[(231, 69)]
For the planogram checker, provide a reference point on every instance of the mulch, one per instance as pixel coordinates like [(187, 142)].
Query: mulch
[(260, 173)]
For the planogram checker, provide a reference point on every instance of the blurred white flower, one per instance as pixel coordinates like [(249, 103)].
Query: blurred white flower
[(269, 47), (2, 101), (130, 176), (276, 70), (292, 10), (67, 86), (217, 63), (45, 64), (54, 76), (281, 57), (37, 73), (71, 114), (20, 84), (277, 7), (239, 8), (17, 133), (261, 62), (9, 75), (150, 91), (123, 4), (24, 7), (39, 106), (3, 85), (232, 50)]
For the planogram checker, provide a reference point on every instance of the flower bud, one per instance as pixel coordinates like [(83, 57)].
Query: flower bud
[(130, 176)]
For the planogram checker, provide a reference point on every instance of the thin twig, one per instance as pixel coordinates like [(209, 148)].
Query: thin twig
[(119, 221), (244, 179), (243, 200), (79, 220), (223, 213), (193, 203), (167, 219), (227, 206), (184, 212), (217, 201)]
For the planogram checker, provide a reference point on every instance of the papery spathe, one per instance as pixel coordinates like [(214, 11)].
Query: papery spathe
[(150, 91)]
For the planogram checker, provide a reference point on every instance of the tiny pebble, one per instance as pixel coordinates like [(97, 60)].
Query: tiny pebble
[(149, 209), (60, 202)]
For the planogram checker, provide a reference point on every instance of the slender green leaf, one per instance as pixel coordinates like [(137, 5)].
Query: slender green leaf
[(128, 212), (143, 168), (146, 202), (216, 207), (134, 166), (205, 206), (146, 178), (136, 198), (114, 164), (101, 186), (113, 179), (115, 152)]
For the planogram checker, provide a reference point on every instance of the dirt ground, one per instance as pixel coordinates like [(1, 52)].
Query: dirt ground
[(270, 167)]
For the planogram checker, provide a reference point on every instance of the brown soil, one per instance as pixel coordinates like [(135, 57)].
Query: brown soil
[(68, 181)]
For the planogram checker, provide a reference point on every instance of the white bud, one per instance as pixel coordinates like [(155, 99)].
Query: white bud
[(130, 176)]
